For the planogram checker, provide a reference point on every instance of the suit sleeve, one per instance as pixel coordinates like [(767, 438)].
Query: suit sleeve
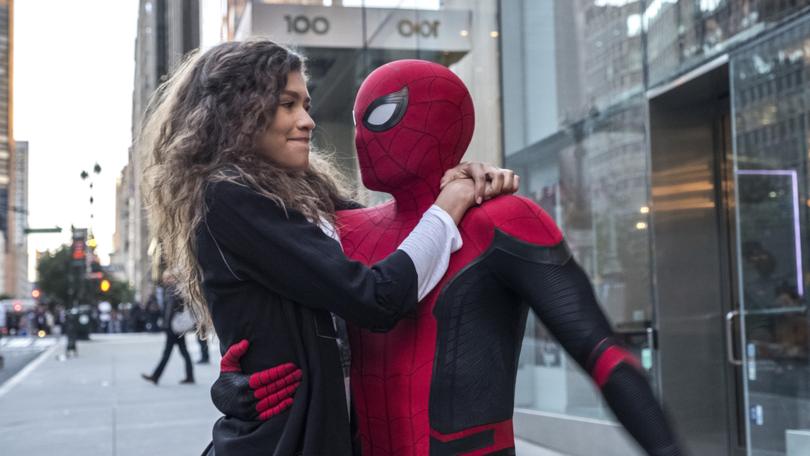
[(561, 295), (282, 250)]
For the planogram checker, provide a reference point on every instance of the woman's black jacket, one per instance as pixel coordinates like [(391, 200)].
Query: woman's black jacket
[(272, 277)]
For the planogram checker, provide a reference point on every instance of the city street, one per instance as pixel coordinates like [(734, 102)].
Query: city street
[(17, 352), (97, 404)]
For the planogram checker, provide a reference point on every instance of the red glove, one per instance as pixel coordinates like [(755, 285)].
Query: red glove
[(261, 396)]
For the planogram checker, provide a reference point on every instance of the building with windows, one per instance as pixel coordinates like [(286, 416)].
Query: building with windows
[(7, 214), (167, 30), (122, 259), (22, 287), (669, 140)]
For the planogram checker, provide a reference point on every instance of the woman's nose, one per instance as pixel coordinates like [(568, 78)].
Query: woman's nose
[(305, 122)]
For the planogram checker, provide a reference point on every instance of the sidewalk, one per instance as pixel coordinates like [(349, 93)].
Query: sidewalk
[(524, 448), (97, 404)]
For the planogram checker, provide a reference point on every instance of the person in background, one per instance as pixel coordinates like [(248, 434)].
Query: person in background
[(172, 305), (204, 357)]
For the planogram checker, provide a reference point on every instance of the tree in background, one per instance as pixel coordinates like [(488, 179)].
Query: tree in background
[(53, 272), (54, 275)]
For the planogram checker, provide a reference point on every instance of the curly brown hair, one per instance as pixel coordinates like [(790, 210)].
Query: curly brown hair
[(203, 125)]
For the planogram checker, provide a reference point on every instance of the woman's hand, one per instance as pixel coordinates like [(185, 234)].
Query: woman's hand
[(489, 181), (456, 197)]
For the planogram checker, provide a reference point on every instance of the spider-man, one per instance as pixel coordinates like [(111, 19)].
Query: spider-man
[(442, 381)]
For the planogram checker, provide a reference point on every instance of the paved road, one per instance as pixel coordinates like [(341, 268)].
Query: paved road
[(17, 352)]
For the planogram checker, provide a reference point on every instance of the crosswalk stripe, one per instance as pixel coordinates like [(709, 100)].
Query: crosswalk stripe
[(46, 342), (20, 342)]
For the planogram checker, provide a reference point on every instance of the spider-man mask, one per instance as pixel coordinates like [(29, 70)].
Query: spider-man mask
[(413, 121)]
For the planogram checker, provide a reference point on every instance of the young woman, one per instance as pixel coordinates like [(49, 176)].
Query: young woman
[(244, 214)]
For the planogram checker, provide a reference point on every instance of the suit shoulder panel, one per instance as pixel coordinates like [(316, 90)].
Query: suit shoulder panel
[(518, 217)]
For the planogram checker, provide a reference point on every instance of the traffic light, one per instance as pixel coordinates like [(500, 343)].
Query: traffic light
[(77, 251), (104, 286), (35, 293), (78, 248)]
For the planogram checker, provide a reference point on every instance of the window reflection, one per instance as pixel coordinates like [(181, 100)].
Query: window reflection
[(574, 124), (769, 85), (591, 177), (577, 135), (682, 33)]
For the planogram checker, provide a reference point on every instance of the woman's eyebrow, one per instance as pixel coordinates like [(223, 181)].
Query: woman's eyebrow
[(295, 95)]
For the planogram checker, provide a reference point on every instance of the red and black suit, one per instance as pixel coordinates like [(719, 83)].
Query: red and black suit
[(441, 382)]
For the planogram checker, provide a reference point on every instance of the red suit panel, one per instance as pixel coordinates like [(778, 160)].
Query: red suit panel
[(392, 372)]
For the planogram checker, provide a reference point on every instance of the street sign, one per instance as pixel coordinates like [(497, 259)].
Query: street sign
[(445, 30), (42, 230)]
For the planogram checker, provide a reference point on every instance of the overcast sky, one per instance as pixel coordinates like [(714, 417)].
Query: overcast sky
[(73, 74)]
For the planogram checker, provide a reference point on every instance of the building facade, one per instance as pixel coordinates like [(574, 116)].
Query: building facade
[(13, 170), (669, 140), (7, 214), (21, 286), (167, 29), (122, 259)]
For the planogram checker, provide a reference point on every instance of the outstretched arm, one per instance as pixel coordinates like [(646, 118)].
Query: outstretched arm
[(560, 293)]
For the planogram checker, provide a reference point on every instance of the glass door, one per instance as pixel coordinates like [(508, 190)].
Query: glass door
[(771, 113)]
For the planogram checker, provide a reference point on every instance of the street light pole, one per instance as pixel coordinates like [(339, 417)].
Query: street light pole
[(84, 175)]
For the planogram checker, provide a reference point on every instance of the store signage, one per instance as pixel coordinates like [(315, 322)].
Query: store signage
[(342, 27)]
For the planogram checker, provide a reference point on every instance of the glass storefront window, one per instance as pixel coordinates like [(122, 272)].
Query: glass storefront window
[(575, 129), (683, 33), (770, 84), (565, 61), (594, 184), (575, 79)]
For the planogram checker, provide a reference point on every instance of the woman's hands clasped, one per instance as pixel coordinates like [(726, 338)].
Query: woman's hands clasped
[(472, 183)]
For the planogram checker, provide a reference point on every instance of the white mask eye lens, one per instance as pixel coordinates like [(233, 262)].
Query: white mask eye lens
[(382, 114), (354, 121), (385, 112)]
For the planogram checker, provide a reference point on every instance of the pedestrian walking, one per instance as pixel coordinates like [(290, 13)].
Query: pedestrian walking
[(72, 332), (204, 356), (175, 335)]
